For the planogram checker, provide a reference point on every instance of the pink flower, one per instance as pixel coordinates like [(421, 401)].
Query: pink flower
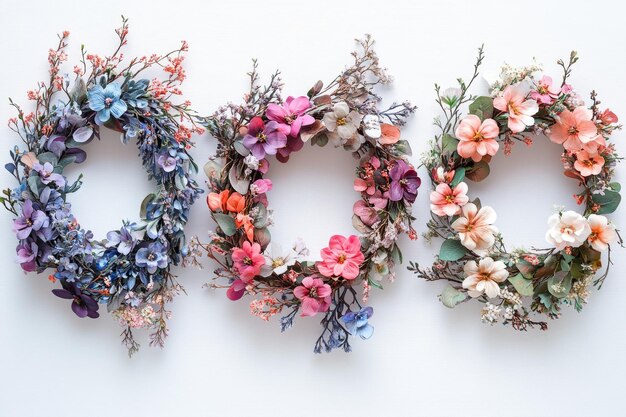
[(315, 296), (546, 92), (588, 164), (475, 228), (520, 110), (445, 201), (342, 257), (608, 117), (574, 129), (365, 212), (261, 186), (291, 116), (439, 175), (602, 233), (248, 260), (477, 139)]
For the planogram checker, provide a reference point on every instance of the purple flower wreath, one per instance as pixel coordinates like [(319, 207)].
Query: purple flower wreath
[(345, 113), (130, 269)]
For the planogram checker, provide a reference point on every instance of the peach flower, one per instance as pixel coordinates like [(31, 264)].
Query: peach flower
[(477, 139), (588, 164), (520, 110), (602, 233), (484, 277), (446, 201), (476, 228), (574, 129)]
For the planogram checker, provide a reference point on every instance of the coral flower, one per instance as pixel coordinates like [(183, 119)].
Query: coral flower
[(573, 129), (476, 228), (315, 296), (567, 229), (520, 110), (602, 233), (446, 201), (291, 116), (484, 277), (588, 164), (248, 260), (225, 201), (342, 257), (477, 139)]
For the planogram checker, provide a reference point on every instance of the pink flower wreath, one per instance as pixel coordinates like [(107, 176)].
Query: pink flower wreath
[(346, 114), (514, 284)]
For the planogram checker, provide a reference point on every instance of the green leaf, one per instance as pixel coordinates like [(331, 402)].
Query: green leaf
[(240, 148), (615, 186), (478, 172), (452, 250), (450, 296), (522, 285), (321, 139), (482, 107), (577, 271), (226, 223), (608, 202), (144, 205), (459, 175), (565, 266), (238, 181), (560, 284), (48, 157), (449, 143), (33, 184), (396, 255), (402, 147), (260, 220)]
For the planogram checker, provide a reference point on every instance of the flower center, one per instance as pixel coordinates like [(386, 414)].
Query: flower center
[(151, 256), (108, 101), (588, 163), (342, 258), (341, 121), (573, 130), (484, 276), (290, 118), (449, 199), (278, 262), (261, 137), (247, 261), (29, 222), (478, 136), (567, 230), (313, 292)]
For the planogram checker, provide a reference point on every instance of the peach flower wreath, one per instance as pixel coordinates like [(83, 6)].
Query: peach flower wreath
[(520, 287)]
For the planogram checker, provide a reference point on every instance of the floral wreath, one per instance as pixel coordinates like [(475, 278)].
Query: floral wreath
[(346, 114), (473, 258), (130, 269)]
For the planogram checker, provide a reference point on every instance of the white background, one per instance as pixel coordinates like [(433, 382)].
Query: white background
[(219, 361)]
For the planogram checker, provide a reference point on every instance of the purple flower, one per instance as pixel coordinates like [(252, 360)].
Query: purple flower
[(26, 254), (166, 162), (264, 139), (30, 220), (151, 257), (83, 305), (404, 182), (47, 174), (122, 240), (291, 116)]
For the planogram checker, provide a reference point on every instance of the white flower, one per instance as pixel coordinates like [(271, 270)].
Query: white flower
[(602, 232), (277, 261), (567, 229), (251, 162), (342, 125), (475, 228), (380, 266), (490, 313), (484, 277), (450, 96)]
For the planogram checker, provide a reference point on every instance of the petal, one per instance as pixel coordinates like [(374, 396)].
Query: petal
[(310, 307), (118, 108)]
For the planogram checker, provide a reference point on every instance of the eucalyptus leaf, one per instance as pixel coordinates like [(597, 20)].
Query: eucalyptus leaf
[(240, 148), (226, 223), (260, 220), (83, 134), (403, 147), (560, 284), (522, 285), (449, 144), (482, 107), (478, 172), (608, 202), (459, 175), (239, 182), (263, 237), (48, 157), (452, 250), (450, 296)]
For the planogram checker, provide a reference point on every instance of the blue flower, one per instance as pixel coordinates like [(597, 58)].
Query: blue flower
[(152, 257), (106, 102), (356, 323)]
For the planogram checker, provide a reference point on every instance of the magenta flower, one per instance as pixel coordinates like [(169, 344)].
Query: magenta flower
[(293, 145), (26, 255), (404, 182), (248, 260), (342, 257), (290, 117), (314, 295), (264, 139)]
